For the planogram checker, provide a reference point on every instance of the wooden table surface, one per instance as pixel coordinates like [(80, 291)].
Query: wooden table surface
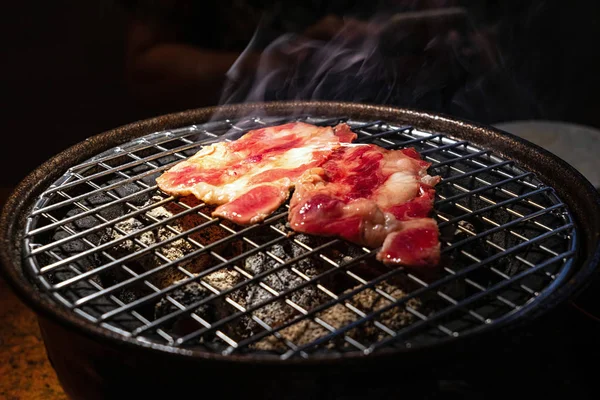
[(25, 372)]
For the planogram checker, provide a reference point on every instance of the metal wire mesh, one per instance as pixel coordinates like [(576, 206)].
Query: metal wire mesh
[(106, 243)]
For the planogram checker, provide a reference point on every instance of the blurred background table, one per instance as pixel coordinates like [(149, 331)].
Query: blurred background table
[(578, 145)]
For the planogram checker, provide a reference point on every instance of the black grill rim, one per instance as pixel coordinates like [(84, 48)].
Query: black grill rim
[(580, 196)]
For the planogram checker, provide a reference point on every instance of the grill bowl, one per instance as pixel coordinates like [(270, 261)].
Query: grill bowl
[(94, 361)]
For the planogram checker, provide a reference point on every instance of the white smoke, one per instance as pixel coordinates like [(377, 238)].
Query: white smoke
[(433, 59)]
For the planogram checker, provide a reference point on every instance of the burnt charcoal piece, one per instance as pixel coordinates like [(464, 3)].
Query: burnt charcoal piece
[(188, 294), (168, 251), (79, 265), (277, 312), (339, 316), (210, 311)]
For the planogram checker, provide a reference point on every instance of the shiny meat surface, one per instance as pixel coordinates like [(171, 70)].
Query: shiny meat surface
[(251, 177), (374, 197)]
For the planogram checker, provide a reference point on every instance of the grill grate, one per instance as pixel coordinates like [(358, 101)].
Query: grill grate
[(106, 243)]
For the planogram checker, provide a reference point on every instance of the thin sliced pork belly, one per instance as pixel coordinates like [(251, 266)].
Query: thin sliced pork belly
[(415, 243), (251, 177), (373, 197)]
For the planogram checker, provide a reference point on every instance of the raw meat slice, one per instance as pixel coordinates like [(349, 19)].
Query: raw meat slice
[(251, 177), (416, 243), (371, 196)]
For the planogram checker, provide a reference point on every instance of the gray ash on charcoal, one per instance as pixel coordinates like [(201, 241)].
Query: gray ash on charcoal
[(277, 312), (211, 311), (75, 247), (251, 295), (170, 251), (339, 316), (309, 297)]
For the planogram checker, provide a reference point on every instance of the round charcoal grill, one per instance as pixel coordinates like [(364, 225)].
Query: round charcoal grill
[(92, 244), (507, 237)]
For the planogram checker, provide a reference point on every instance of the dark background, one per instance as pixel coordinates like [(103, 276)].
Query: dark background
[(62, 78), (63, 62)]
